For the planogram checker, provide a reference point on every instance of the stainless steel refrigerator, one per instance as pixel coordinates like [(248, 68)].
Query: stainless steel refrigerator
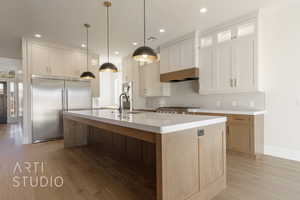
[(50, 97), (3, 103)]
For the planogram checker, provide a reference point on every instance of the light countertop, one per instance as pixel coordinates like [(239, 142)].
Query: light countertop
[(225, 111), (149, 121)]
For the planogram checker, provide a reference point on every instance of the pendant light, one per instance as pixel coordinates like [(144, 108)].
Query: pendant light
[(144, 53), (108, 67), (87, 74)]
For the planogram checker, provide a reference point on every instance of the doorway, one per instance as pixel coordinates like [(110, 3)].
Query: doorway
[(3, 102)]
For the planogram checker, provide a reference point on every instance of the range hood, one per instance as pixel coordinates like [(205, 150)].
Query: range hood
[(182, 75)]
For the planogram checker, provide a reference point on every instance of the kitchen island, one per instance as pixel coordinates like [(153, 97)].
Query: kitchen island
[(190, 151)]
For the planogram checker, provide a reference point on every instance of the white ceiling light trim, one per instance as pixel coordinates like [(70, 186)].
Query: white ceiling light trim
[(38, 35)]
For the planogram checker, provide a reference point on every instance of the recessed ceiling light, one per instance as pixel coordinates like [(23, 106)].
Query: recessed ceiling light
[(135, 43), (162, 30), (117, 53), (38, 35), (203, 10), (83, 45)]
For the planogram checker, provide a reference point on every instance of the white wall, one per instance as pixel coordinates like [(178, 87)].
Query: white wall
[(280, 63)]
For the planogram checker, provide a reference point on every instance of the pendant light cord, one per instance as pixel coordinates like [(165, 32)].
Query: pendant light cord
[(107, 34), (87, 48), (144, 22)]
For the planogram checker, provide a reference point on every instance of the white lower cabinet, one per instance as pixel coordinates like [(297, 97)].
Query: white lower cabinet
[(150, 85)]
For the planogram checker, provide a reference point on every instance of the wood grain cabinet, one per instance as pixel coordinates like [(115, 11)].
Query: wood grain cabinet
[(200, 159), (244, 134)]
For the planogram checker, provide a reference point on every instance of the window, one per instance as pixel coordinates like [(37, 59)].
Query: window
[(246, 29), (224, 36), (206, 42)]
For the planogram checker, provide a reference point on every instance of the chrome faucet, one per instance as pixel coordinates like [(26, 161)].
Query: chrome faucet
[(121, 102)]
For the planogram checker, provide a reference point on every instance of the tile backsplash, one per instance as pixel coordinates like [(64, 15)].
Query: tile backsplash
[(183, 94)]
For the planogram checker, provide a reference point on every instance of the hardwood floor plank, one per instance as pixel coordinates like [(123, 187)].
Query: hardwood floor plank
[(89, 175)]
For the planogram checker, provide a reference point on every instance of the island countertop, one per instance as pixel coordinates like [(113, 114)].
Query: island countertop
[(148, 121)]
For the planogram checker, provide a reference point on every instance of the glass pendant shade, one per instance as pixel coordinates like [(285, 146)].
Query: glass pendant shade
[(108, 67), (144, 54), (87, 75)]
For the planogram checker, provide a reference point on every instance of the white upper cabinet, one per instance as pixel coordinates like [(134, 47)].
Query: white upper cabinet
[(174, 58), (187, 54), (127, 69), (40, 60), (58, 62), (207, 79), (245, 63), (55, 60), (224, 66), (180, 54), (164, 61), (150, 85), (228, 59)]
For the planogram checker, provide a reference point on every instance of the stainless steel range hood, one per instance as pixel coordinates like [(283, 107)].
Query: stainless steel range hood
[(182, 75)]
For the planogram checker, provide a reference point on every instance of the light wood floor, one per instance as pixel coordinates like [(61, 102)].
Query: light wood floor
[(88, 176)]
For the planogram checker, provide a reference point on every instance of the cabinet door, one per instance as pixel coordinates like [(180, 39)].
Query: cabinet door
[(180, 164), (128, 69), (174, 58), (40, 60), (244, 50), (150, 81), (78, 64), (164, 61), (224, 65), (239, 137), (58, 62), (212, 155), (208, 73), (93, 67), (187, 54)]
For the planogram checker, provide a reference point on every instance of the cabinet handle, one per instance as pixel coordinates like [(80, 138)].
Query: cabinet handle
[(231, 82), (235, 82), (200, 132)]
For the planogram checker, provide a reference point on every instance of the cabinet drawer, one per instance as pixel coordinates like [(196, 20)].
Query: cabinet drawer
[(242, 119)]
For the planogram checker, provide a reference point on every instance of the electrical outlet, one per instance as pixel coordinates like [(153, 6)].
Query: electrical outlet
[(218, 104), (252, 104)]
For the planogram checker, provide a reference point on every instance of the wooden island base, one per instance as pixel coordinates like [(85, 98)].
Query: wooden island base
[(189, 164)]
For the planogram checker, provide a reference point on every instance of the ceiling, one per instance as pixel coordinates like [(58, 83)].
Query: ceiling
[(61, 21)]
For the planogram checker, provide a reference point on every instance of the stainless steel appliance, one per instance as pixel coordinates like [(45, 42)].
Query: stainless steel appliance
[(50, 97), (127, 89), (3, 102), (176, 110)]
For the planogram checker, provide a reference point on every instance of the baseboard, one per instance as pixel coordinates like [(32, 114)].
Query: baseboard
[(290, 154)]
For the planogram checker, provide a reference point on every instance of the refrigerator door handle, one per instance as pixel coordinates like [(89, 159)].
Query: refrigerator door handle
[(63, 99), (67, 100)]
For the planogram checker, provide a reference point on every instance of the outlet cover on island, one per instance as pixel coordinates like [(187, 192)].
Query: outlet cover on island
[(252, 104)]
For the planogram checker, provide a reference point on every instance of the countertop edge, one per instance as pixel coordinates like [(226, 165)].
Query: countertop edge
[(148, 128)]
